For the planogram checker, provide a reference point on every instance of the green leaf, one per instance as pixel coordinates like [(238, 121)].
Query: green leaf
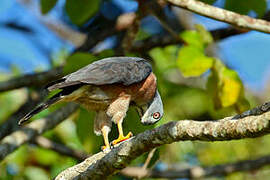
[(206, 36), (192, 38), (81, 11), (245, 6), (77, 61), (192, 62), (165, 58), (226, 88), (199, 38), (231, 87), (47, 5)]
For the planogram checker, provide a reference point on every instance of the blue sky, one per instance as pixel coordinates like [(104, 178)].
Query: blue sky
[(247, 53)]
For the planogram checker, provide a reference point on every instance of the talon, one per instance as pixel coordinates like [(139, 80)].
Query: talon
[(122, 138), (105, 149)]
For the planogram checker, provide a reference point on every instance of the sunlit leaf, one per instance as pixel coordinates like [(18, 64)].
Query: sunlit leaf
[(165, 58), (192, 62), (77, 61), (205, 35), (192, 38), (47, 5), (231, 87), (80, 12)]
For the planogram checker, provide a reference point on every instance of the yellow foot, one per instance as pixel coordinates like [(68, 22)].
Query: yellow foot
[(105, 149), (122, 138)]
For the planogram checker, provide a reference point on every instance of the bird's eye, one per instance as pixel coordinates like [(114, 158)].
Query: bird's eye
[(156, 115)]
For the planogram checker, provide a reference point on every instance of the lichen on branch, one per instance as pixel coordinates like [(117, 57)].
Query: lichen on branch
[(101, 165)]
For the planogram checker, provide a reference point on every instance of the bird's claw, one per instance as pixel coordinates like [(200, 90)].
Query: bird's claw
[(122, 138), (106, 149)]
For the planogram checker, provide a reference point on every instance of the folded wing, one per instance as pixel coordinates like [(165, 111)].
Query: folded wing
[(123, 70)]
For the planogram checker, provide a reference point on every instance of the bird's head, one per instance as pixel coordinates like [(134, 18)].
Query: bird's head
[(152, 112)]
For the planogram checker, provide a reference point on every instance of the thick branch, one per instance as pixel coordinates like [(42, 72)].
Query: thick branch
[(37, 79), (199, 172), (30, 131), (219, 14), (254, 123)]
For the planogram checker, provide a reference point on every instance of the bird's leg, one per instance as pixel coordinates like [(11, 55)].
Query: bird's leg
[(117, 110), (121, 136), (105, 132), (102, 126)]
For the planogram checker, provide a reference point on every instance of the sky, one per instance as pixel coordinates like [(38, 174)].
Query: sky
[(248, 53)]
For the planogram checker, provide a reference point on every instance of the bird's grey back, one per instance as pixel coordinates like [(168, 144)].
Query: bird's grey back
[(123, 70)]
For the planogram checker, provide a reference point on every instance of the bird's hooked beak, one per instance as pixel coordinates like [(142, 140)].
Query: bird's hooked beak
[(151, 112)]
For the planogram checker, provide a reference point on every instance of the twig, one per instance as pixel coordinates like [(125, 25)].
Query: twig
[(154, 41), (158, 12), (219, 14), (102, 165), (148, 159), (199, 172), (60, 148), (145, 165), (165, 40), (36, 79), (33, 129)]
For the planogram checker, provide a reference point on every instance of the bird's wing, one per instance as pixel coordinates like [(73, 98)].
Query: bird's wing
[(123, 70)]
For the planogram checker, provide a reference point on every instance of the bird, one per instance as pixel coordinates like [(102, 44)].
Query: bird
[(109, 87)]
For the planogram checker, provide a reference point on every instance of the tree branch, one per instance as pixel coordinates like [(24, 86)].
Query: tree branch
[(165, 40), (199, 172), (60, 148), (33, 129), (253, 123), (36, 79), (11, 124), (219, 14)]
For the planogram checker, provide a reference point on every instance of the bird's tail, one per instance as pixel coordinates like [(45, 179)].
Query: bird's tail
[(41, 107)]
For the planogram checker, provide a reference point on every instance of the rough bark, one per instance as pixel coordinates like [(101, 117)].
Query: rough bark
[(219, 14), (251, 124), (30, 80)]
